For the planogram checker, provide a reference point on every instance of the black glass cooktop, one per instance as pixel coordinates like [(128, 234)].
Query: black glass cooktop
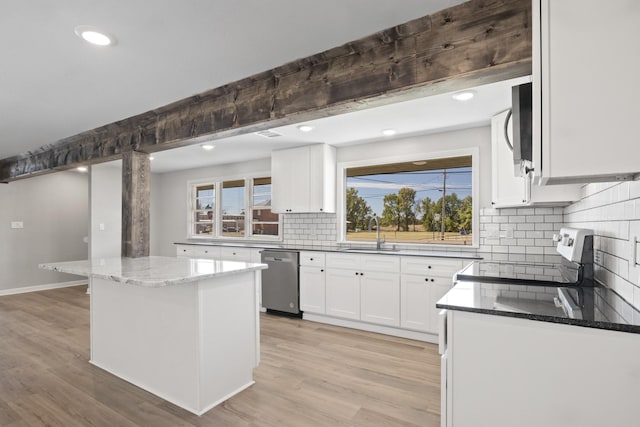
[(565, 274)]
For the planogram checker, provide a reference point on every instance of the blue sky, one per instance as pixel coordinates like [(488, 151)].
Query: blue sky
[(373, 188)]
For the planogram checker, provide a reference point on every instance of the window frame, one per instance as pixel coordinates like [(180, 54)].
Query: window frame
[(217, 211), (474, 152)]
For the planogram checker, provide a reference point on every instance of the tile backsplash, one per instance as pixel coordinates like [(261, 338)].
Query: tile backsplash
[(310, 229), (612, 211), (520, 234)]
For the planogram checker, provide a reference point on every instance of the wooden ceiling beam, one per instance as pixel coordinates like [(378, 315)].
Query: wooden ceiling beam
[(477, 42)]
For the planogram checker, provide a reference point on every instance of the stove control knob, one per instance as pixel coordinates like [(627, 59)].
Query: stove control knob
[(567, 241), (557, 238)]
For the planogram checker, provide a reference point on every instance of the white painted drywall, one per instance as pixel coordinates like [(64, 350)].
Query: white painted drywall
[(434, 143), (54, 209), (169, 192), (106, 210), (169, 200)]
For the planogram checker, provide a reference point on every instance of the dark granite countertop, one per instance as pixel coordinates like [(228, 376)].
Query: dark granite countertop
[(337, 248), (592, 307)]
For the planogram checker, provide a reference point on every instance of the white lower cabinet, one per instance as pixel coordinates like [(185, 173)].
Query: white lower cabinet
[(419, 296), (414, 299), (343, 293), (380, 298), (312, 289)]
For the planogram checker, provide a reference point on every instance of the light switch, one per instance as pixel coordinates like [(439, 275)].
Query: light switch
[(17, 224), (101, 226)]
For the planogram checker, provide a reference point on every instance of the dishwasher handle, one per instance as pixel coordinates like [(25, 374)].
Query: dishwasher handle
[(278, 259)]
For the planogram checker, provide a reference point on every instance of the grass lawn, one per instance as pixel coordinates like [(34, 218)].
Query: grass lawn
[(392, 236)]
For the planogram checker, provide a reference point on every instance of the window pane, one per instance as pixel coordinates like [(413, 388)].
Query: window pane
[(407, 198), (203, 210), (233, 209), (265, 222)]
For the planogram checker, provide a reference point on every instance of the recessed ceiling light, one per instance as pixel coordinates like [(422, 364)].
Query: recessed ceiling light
[(464, 96), (305, 128), (388, 132), (94, 36), (151, 157), (82, 169), (420, 163), (208, 147)]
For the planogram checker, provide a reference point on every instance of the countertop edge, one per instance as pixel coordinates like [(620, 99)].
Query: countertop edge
[(256, 245), (549, 319), (149, 283)]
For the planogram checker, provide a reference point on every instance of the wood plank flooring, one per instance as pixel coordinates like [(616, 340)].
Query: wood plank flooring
[(310, 375)]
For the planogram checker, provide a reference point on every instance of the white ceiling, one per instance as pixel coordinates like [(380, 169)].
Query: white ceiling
[(54, 85), (420, 116)]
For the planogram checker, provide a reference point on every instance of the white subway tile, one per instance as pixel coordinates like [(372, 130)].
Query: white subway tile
[(516, 219), (535, 218)]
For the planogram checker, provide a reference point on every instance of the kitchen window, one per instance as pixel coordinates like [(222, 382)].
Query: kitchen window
[(263, 221), (203, 222), (424, 201), (218, 209)]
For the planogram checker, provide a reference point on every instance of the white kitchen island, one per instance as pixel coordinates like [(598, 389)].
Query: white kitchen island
[(186, 330)]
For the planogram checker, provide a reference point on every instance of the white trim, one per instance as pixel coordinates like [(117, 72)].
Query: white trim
[(37, 288), (217, 182), (474, 152), (386, 330)]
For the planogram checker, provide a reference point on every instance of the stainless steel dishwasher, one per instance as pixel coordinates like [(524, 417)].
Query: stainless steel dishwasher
[(280, 289)]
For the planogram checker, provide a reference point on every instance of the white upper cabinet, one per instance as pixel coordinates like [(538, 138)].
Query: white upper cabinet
[(509, 190), (304, 179), (585, 90)]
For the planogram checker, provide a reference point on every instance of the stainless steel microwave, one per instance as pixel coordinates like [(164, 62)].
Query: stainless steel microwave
[(519, 128)]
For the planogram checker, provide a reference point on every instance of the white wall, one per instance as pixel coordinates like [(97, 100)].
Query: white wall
[(106, 210), (169, 200), (55, 211), (612, 211), (170, 190)]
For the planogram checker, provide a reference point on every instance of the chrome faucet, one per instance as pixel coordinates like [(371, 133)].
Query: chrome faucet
[(378, 242)]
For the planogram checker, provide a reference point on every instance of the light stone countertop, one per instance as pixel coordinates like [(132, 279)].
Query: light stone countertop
[(153, 271)]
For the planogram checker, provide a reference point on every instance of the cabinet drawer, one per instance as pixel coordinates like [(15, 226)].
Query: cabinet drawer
[(235, 254), (382, 263), (312, 259), (341, 260), (205, 252), (439, 267), (184, 250)]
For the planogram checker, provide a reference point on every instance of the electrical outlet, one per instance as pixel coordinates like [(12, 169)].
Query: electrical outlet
[(17, 224)]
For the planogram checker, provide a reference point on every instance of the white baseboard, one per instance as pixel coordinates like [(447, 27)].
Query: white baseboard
[(369, 327), (36, 288)]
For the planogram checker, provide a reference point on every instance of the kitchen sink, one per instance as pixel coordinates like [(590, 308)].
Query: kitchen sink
[(371, 251)]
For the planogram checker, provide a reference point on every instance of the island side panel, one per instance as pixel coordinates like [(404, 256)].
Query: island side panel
[(148, 336), (230, 336)]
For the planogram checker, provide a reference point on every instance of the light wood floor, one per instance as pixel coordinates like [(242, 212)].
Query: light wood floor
[(310, 375)]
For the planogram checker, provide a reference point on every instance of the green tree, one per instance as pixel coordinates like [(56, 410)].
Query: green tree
[(406, 203), (358, 210), (466, 214), (427, 208), (391, 214)]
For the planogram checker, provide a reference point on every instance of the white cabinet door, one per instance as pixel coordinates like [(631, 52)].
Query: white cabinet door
[(343, 260), (437, 289), (322, 178), (303, 179), (586, 110), (380, 299), (414, 302), (507, 189), (290, 180), (312, 289), (343, 293)]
